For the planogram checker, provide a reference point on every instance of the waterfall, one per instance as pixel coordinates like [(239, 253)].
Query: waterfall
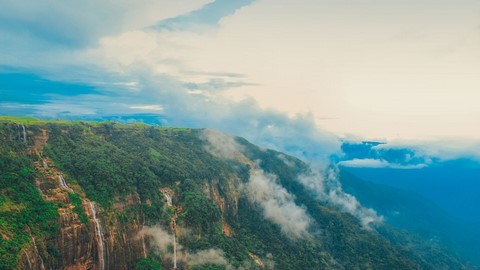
[(24, 134), (168, 197), (143, 244), (42, 266), (144, 247), (63, 183), (174, 245), (99, 237), (28, 259)]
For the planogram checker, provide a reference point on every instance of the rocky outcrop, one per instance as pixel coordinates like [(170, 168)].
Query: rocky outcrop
[(108, 239), (30, 258), (124, 246)]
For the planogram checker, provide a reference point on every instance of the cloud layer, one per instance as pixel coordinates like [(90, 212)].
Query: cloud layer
[(278, 204), (328, 189), (377, 163), (163, 240), (220, 144)]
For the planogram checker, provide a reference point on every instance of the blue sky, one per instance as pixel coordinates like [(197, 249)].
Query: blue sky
[(299, 76)]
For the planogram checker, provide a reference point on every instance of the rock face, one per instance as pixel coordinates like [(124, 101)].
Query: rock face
[(87, 243), (120, 195)]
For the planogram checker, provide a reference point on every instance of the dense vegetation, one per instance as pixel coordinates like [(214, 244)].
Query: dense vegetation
[(111, 161), (24, 215)]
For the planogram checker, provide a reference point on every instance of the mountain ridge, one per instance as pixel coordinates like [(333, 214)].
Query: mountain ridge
[(109, 212)]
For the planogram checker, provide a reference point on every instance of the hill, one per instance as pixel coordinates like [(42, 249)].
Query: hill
[(77, 195)]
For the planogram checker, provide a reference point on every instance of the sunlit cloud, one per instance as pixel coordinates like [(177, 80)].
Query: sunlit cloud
[(378, 163), (148, 107)]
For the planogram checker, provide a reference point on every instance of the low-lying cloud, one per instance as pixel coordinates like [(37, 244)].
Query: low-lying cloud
[(163, 241), (329, 189), (278, 204), (220, 144), (442, 150), (209, 256), (378, 163)]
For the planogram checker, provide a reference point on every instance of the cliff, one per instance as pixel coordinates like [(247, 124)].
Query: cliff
[(81, 195)]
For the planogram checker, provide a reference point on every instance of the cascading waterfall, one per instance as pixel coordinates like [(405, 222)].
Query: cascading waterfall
[(42, 266), (24, 134), (174, 245), (143, 244), (99, 236), (63, 183), (28, 259)]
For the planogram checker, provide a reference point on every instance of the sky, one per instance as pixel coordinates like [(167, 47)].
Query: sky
[(293, 75)]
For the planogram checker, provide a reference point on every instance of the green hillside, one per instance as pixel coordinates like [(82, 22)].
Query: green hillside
[(130, 171)]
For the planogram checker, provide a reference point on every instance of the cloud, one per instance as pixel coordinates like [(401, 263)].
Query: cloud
[(378, 163), (210, 256), (54, 23), (277, 204), (163, 241), (76, 24), (329, 189), (220, 144), (286, 160), (161, 238), (215, 84), (128, 68), (148, 107), (440, 150), (208, 15)]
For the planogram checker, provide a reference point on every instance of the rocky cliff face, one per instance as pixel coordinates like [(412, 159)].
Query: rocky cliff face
[(110, 196), (89, 238)]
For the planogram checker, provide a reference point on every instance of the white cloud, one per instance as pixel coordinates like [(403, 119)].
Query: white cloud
[(329, 189), (148, 107), (163, 240), (210, 256), (309, 70), (220, 144), (278, 204), (378, 163), (445, 149)]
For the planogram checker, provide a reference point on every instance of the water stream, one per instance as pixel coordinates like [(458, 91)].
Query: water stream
[(24, 134), (174, 245), (99, 237), (143, 244), (28, 260), (63, 183)]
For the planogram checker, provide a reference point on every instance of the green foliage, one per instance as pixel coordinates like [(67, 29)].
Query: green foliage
[(23, 212), (110, 161), (207, 267), (148, 264), (199, 211), (78, 207)]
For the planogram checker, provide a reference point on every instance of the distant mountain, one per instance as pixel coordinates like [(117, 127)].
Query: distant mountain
[(412, 212), (77, 195), (452, 185)]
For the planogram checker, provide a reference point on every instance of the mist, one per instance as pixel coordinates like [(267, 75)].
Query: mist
[(327, 188), (220, 144), (162, 240), (278, 204)]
